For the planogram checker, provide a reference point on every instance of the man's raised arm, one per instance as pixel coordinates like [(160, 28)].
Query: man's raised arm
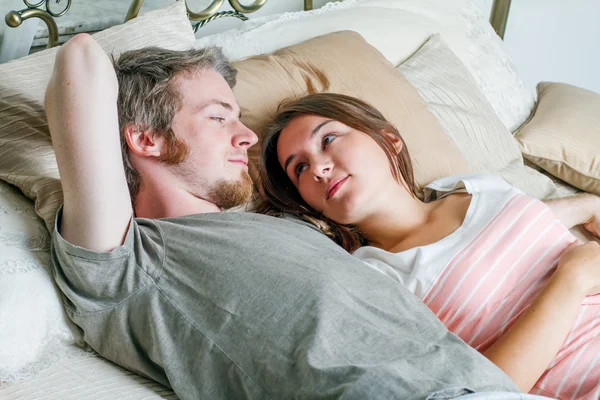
[(81, 106)]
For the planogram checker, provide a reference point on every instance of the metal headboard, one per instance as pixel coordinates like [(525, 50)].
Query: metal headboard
[(498, 16), (43, 10)]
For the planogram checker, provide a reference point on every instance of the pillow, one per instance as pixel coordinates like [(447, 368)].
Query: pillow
[(453, 97), (345, 63), (563, 135), (397, 28), (26, 155), (31, 315)]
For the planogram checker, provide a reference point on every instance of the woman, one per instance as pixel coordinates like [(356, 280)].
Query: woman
[(499, 268)]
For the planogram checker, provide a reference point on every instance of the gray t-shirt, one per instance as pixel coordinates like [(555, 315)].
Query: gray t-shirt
[(240, 305)]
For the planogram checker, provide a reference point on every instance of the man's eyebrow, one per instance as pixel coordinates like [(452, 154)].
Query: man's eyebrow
[(314, 132), (218, 102)]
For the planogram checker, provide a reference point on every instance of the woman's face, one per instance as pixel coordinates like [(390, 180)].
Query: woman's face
[(337, 170)]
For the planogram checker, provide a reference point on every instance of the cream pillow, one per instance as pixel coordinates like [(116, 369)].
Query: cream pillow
[(397, 28), (343, 62), (26, 155), (453, 97), (563, 135)]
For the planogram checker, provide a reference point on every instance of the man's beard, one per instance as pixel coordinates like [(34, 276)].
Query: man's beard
[(225, 194), (229, 194)]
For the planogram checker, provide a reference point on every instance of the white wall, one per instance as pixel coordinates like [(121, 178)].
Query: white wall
[(554, 40)]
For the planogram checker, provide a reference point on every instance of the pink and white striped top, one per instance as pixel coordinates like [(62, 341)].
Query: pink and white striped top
[(480, 279)]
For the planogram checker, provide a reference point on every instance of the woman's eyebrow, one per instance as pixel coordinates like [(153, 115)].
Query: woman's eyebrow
[(322, 124), (312, 135)]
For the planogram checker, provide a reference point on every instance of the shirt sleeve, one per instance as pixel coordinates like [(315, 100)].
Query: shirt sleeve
[(468, 183), (92, 281)]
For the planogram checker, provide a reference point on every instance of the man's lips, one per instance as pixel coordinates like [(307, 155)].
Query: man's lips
[(240, 161), (334, 186)]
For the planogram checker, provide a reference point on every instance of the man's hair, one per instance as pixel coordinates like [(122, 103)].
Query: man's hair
[(278, 190), (149, 99)]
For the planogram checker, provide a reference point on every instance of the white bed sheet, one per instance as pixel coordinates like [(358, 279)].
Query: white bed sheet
[(80, 375)]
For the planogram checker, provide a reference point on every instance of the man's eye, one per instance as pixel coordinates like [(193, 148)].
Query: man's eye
[(300, 168), (218, 119)]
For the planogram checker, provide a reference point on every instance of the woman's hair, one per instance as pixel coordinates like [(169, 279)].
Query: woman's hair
[(280, 193)]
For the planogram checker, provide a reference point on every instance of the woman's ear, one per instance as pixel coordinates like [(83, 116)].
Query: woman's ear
[(143, 142), (395, 139)]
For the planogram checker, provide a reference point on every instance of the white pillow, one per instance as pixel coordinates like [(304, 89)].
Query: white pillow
[(31, 314), (397, 28), (452, 96)]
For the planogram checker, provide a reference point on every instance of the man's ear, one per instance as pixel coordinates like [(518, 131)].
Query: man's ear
[(142, 142), (395, 139)]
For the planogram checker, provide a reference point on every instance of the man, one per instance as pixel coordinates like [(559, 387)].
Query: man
[(218, 305)]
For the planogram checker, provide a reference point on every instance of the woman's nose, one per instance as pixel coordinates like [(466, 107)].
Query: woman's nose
[(320, 171)]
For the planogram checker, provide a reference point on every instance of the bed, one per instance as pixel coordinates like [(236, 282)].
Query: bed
[(480, 117)]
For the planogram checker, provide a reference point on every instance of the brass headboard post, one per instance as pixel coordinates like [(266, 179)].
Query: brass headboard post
[(499, 16), (16, 18)]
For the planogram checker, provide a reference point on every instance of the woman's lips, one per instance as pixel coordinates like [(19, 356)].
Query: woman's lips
[(335, 186)]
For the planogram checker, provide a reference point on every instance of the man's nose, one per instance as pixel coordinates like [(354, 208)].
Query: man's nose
[(244, 137)]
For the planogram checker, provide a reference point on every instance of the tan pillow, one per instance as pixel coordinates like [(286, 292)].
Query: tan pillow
[(453, 97), (26, 155), (343, 62), (563, 135)]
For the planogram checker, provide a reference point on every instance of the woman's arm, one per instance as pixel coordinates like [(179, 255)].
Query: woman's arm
[(579, 209), (527, 348)]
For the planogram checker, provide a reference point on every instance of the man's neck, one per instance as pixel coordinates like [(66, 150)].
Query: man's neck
[(165, 202)]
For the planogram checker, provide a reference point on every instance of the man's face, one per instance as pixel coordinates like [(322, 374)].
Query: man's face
[(216, 168)]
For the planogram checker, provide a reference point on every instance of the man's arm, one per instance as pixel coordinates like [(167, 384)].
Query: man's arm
[(582, 208), (81, 106)]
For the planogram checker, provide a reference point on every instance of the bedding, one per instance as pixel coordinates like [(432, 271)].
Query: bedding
[(452, 96), (563, 134), (31, 315), (396, 28)]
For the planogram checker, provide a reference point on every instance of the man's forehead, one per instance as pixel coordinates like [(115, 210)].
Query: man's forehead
[(206, 88), (217, 102), (210, 80)]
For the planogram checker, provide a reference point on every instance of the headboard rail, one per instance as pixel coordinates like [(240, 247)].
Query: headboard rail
[(43, 10), (47, 12)]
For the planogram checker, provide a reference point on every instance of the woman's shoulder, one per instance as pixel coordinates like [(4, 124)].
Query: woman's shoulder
[(467, 183)]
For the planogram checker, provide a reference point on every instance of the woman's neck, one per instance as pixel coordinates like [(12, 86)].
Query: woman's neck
[(395, 220)]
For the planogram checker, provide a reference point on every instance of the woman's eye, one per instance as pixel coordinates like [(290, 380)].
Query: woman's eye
[(300, 168), (327, 139), (218, 119)]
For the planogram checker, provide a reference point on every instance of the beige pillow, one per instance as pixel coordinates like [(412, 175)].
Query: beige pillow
[(563, 135), (26, 155), (453, 97), (343, 62)]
